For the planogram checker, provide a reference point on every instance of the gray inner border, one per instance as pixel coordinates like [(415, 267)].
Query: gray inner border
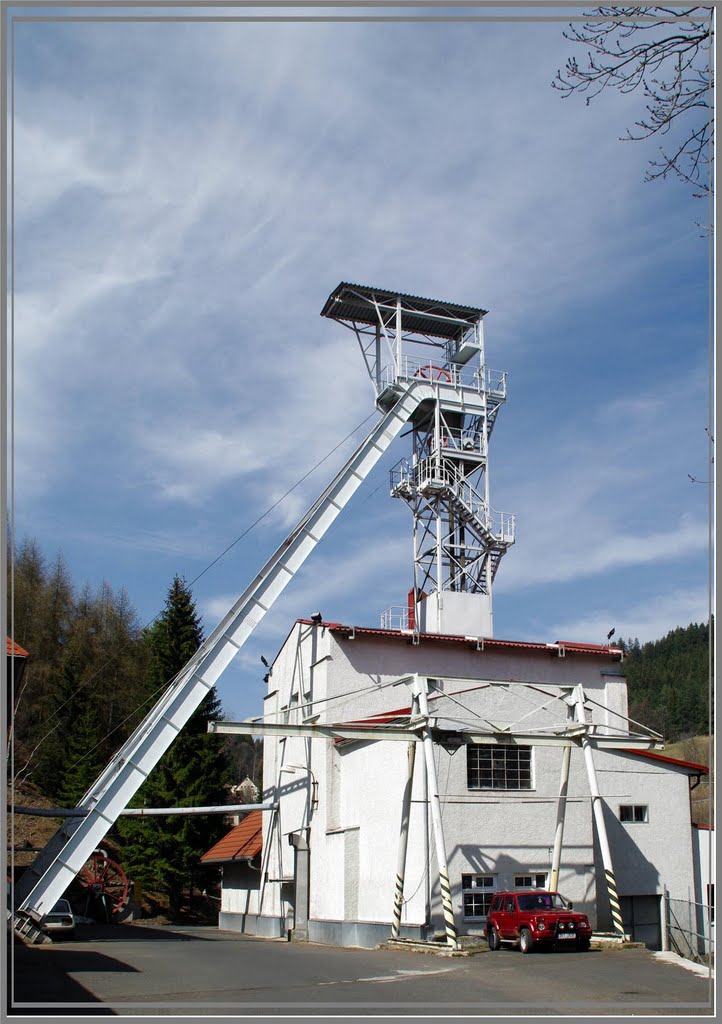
[(522, 12)]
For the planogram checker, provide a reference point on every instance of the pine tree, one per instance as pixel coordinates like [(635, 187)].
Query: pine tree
[(83, 759), (163, 853)]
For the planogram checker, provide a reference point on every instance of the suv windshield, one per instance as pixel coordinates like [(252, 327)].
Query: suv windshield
[(542, 901)]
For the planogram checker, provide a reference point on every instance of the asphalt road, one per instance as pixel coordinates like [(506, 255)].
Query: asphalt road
[(136, 970)]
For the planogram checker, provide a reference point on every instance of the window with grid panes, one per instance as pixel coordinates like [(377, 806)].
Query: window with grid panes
[(633, 812), (500, 766), (477, 892), (536, 881)]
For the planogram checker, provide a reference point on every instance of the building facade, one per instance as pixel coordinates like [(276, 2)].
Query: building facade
[(330, 853)]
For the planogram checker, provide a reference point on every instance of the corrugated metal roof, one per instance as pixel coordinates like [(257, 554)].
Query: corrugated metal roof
[(653, 756), (482, 642), (242, 843), (355, 302), (16, 649)]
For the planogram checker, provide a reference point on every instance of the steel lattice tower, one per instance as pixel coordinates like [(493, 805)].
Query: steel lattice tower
[(458, 538)]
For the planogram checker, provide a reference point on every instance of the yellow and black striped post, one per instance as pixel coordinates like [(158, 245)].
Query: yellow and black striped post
[(598, 809)]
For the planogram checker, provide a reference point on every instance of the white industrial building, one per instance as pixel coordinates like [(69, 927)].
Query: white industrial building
[(333, 842)]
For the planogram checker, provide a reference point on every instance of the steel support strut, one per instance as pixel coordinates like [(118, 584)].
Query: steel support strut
[(70, 847), (420, 690), (598, 809), (403, 842), (561, 812)]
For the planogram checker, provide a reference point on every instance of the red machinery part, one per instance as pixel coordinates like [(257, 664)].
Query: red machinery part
[(107, 881)]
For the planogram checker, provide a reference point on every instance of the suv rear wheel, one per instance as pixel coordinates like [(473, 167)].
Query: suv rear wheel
[(526, 943), (494, 940)]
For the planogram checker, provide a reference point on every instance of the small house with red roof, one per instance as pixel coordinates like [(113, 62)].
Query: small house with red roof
[(324, 863), (17, 659)]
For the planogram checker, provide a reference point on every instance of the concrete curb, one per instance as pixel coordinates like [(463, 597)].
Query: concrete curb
[(599, 941)]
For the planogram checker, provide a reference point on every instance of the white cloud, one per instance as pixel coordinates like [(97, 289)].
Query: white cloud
[(616, 495), (648, 620)]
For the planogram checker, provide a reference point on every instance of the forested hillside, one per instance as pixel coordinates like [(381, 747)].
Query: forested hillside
[(669, 682)]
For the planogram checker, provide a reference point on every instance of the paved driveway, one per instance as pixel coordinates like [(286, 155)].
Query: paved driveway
[(133, 969)]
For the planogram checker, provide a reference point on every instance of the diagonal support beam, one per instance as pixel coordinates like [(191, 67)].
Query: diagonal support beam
[(70, 847)]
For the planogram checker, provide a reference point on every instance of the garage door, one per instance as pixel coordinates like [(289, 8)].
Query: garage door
[(640, 915)]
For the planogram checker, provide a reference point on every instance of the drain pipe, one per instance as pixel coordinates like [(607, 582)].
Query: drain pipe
[(301, 873)]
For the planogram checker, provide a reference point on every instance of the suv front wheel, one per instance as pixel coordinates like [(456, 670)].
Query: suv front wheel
[(526, 943), (494, 940)]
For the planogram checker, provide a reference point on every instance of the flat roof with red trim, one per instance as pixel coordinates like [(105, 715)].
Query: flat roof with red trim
[(483, 643), (16, 649), (702, 769), (242, 843)]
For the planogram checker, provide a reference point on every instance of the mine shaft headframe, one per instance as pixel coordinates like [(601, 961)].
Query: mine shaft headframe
[(363, 307)]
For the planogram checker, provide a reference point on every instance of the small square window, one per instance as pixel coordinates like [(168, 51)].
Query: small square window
[(633, 812)]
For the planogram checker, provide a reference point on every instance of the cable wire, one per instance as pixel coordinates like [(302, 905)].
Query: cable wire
[(151, 621)]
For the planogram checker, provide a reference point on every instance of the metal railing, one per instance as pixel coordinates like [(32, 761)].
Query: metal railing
[(430, 473), (396, 617), (690, 929), (413, 367)]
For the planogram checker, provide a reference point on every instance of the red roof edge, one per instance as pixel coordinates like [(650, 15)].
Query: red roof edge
[(653, 756), (482, 643), (15, 649)]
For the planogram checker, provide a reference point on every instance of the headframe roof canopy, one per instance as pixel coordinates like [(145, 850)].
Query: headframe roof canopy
[(366, 305)]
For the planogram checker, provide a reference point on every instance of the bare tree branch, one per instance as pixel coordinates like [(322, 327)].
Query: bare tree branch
[(665, 52)]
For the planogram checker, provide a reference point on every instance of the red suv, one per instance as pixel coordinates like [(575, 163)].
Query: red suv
[(533, 919)]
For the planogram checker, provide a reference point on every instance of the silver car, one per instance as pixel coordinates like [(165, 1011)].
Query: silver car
[(60, 922)]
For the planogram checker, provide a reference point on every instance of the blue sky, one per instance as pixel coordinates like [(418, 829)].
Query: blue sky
[(186, 197)]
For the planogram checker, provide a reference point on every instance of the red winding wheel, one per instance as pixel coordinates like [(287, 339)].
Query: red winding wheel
[(106, 882), (433, 373)]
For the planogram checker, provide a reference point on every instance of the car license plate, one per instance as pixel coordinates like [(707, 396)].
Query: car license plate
[(567, 935)]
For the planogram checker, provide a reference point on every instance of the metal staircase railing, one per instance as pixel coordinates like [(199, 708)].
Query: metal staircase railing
[(431, 476)]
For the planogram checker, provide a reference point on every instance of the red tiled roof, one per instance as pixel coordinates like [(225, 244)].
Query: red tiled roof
[(16, 649), (482, 642), (653, 756), (242, 843)]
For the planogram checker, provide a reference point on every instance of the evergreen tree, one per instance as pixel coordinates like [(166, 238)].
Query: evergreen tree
[(163, 853), (83, 759)]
